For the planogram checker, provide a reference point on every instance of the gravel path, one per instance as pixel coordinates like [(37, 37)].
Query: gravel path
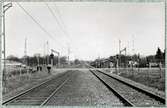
[(84, 89)]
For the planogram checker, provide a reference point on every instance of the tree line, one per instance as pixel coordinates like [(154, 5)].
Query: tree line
[(38, 60), (142, 61)]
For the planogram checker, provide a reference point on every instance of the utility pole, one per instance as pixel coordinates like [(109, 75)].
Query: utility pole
[(47, 44), (119, 58), (125, 58), (133, 50), (68, 55), (1, 34), (25, 52), (25, 55), (119, 46), (5, 7), (58, 60), (132, 53), (138, 61), (99, 61), (125, 54), (44, 54)]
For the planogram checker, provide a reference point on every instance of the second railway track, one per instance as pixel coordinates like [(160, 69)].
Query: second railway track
[(129, 95), (40, 94)]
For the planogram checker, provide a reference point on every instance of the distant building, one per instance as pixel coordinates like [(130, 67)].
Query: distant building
[(153, 64), (11, 64), (107, 63), (133, 63)]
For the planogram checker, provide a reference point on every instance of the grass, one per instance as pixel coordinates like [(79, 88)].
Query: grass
[(150, 77), (20, 81)]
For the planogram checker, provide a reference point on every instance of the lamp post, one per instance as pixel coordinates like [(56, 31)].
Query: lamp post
[(4, 9)]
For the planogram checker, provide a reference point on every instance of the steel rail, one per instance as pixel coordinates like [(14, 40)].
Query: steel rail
[(56, 90), (28, 90), (156, 97), (121, 97), (152, 95)]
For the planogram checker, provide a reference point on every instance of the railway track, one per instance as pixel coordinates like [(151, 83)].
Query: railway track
[(128, 94), (40, 94)]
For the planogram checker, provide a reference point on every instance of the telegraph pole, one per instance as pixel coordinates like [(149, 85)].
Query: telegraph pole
[(44, 54), (47, 43), (68, 55), (125, 54), (58, 60), (119, 46), (5, 7), (1, 10), (119, 58), (133, 50), (25, 52)]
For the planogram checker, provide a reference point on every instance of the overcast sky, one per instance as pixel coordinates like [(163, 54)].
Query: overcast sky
[(88, 29)]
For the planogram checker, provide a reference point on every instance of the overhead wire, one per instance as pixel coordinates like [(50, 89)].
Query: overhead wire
[(63, 25), (36, 22), (56, 19), (59, 24), (59, 15), (51, 11)]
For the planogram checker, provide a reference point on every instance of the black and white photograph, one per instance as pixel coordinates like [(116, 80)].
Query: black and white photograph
[(89, 53)]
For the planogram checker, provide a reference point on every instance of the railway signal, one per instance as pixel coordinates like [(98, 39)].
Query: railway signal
[(123, 50), (52, 57), (58, 53)]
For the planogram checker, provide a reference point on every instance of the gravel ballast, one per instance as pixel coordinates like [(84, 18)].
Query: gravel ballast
[(83, 88), (136, 97)]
